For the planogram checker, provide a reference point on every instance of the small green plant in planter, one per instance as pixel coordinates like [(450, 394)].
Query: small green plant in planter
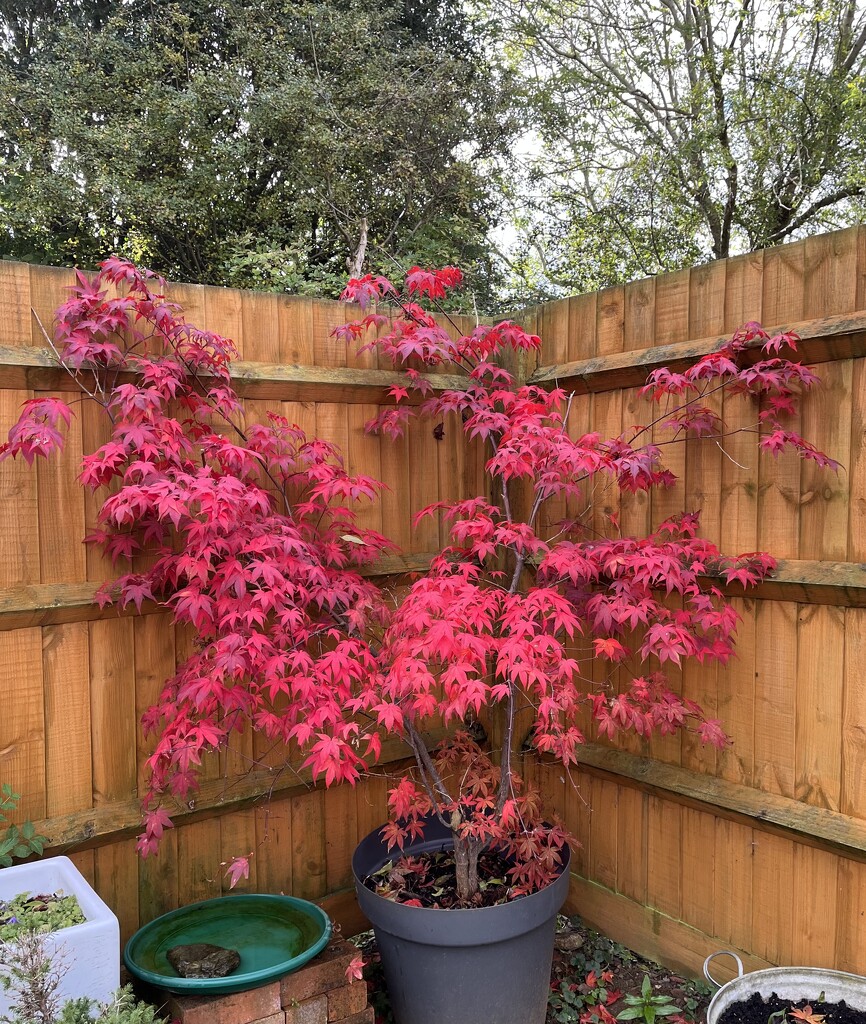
[(41, 913)]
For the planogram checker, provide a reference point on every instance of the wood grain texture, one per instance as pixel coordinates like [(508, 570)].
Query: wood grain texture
[(15, 302), (19, 510), (810, 824), (823, 339), (818, 706), (22, 723), (29, 368), (774, 709), (68, 742), (112, 710), (661, 937), (854, 717)]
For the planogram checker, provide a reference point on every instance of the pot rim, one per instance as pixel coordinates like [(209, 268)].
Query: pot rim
[(435, 845), (796, 983), (461, 926)]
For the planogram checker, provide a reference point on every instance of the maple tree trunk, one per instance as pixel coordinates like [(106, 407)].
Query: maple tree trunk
[(466, 854)]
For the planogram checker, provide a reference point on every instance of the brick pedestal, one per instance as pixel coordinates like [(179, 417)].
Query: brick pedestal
[(316, 994)]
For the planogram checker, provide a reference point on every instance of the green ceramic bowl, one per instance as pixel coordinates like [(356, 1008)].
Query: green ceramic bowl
[(273, 934)]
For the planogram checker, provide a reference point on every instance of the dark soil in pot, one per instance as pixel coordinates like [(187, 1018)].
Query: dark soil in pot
[(430, 880), (758, 1010)]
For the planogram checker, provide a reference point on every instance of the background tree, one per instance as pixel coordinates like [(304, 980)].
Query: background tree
[(272, 143), (676, 131)]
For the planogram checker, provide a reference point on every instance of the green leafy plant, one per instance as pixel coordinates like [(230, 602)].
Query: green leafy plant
[(41, 913), (31, 978), (646, 1006), (16, 842), (123, 1008)]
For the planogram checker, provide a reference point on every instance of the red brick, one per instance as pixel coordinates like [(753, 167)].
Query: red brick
[(310, 1011), (239, 1008), (275, 1018), (327, 971), (364, 1017), (346, 1001)]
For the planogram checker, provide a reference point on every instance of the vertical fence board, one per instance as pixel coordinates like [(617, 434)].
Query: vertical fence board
[(341, 836), (157, 881), (818, 749), (19, 509), (736, 700), (274, 833), (68, 752), (631, 833), (639, 314), (238, 839), (772, 905), (779, 489), (260, 323), (851, 920), (854, 716), (112, 710), (22, 723), (664, 856), (308, 846), (582, 322), (699, 883), (198, 861), (732, 884), (296, 332), (815, 909), (603, 829), (775, 682), (610, 313), (423, 483), (15, 315), (116, 879)]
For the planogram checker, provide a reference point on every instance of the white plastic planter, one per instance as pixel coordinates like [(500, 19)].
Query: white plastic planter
[(87, 955)]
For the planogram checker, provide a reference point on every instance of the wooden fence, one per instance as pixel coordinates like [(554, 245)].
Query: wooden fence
[(74, 680), (761, 847)]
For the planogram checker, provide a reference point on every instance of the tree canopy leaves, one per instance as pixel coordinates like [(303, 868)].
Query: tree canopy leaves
[(234, 142), (676, 131)]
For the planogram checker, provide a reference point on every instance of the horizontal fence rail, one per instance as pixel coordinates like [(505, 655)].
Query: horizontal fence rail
[(826, 583), (822, 340), (37, 369)]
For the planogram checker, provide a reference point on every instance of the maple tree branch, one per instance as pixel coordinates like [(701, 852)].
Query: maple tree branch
[(72, 372), (422, 755), (505, 754)]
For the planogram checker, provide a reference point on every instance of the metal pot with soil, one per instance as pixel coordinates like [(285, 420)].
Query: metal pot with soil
[(786, 995), (484, 965)]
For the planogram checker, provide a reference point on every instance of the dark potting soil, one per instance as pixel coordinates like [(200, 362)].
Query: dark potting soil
[(431, 881), (757, 1010)]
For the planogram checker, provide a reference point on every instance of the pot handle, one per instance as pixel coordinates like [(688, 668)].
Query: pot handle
[(712, 956)]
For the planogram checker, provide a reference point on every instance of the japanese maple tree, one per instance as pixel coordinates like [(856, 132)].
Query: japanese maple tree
[(252, 539), (514, 612)]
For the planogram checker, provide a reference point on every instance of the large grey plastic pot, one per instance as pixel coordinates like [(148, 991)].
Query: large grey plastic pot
[(794, 983), (489, 965)]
